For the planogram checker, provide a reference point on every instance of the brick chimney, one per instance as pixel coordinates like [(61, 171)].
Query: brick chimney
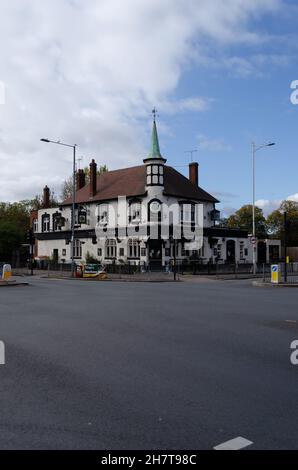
[(46, 198), (81, 180), (194, 173), (93, 178)]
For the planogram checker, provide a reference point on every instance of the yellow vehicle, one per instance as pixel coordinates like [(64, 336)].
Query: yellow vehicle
[(91, 271)]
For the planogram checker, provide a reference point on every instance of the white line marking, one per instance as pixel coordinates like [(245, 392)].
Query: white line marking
[(234, 444)]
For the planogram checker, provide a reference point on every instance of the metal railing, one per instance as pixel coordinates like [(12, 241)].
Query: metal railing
[(291, 273)]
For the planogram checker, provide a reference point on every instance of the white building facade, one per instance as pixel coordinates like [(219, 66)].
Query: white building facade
[(140, 216)]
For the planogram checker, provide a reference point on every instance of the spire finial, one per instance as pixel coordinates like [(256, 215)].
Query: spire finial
[(154, 113)]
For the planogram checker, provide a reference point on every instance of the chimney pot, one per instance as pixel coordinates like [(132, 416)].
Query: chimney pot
[(46, 197), (194, 173), (93, 178), (81, 180)]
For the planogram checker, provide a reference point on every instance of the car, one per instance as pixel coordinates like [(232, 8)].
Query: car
[(91, 270)]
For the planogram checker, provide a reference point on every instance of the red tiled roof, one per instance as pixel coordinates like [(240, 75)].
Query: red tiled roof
[(131, 182), (180, 186)]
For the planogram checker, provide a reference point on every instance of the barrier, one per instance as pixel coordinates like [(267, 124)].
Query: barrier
[(275, 274), (6, 272)]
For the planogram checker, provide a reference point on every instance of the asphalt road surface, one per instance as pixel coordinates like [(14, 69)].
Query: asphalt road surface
[(147, 366)]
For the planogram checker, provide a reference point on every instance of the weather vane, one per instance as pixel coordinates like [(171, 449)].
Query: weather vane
[(154, 112)]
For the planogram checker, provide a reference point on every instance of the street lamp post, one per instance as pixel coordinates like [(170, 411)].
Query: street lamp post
[(255, 149), (73, 207)]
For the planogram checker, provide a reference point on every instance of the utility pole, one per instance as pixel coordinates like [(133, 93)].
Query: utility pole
[(73, 206), (175, 272), (255, 149), (285, 246)]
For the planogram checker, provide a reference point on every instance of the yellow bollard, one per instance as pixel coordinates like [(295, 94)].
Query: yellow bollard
[(6, 273)]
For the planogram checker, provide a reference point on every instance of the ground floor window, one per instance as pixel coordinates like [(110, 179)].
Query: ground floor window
[(202, 251), (110, 248), (217, 251), (121, 251), (143, 251), (77, 249), (133, 248)]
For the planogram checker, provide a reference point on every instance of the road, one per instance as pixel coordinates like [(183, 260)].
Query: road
[(147, 365)]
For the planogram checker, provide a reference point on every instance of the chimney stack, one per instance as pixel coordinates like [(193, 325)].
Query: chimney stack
[(46, 197), (81, 180), (93, 178), (194, 173)]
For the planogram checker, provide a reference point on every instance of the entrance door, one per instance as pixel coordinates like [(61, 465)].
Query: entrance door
[(231, 251), (262, 252), (55, 256), (155, 254)]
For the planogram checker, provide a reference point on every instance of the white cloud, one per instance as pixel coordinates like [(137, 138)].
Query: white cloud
[(267, 205), (88, 72), (293, 197), (187, 104), (2, 93), (213, 145)]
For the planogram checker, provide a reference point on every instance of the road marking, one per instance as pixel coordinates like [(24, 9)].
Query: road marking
[(234, 444)]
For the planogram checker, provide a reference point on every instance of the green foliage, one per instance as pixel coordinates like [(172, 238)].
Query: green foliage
[(91, 259), (243, 219), (275, 222), (66, 190), (14, 223)]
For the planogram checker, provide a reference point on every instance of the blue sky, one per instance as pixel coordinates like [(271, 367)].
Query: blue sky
[(246, 105), (219, 73)]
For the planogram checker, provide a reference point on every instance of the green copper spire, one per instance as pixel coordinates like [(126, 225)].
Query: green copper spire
[(155, 150)]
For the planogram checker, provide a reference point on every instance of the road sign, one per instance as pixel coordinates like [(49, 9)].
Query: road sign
[(253, 240), (275, 274)]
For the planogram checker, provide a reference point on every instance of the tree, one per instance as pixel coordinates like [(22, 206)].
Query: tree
[(275, 222), (66, 191), (243, 219), (14, 223)]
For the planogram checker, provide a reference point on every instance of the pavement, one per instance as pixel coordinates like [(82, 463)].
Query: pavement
[(187, 365)]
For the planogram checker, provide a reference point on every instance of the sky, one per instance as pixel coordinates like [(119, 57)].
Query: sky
[(89, 72)]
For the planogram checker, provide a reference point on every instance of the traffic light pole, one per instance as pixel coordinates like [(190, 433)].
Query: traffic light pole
[(31, 260), (31, 240)]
